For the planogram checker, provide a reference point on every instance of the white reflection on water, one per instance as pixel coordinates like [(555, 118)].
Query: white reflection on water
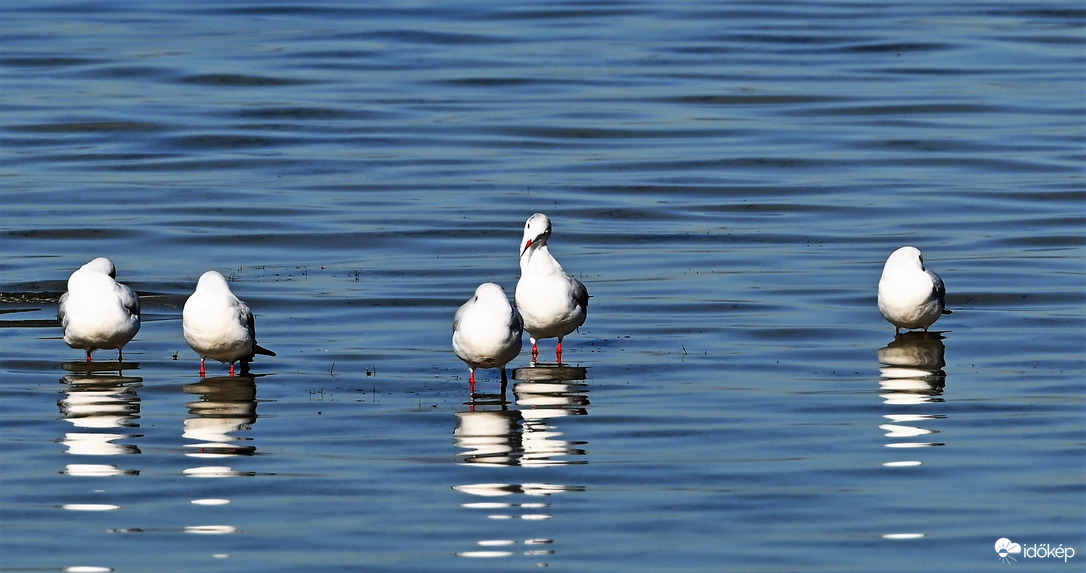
[(90, 506), (911, 381), (227, 404), (96, 470), (523, 433), (211, 529), (215, 472), (904, 536), (912, 377), (211, 501), (94, 402), (496, 434), (512, 509)]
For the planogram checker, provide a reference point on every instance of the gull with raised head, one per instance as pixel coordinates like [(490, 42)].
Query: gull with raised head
[(97, 311), (487, 331), (910, 296), (220, 326), (552, 303)]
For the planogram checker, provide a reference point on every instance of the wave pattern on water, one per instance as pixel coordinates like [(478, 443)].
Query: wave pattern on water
[(727, 180)]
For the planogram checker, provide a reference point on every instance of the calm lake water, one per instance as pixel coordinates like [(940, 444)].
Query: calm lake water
[(726, 178)]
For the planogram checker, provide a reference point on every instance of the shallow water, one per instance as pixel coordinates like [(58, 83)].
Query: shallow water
[(726, 180)]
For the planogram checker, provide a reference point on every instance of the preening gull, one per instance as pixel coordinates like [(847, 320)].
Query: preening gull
[(552, 303), (910, 296), (97, 311), (487, 331), (218, 325)]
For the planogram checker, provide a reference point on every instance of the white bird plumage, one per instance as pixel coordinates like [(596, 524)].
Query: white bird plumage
[(910, 296), (487, 331), (218, 325), (97, 312), (551, 302)]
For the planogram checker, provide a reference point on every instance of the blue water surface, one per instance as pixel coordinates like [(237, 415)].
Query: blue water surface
[(727, 180)]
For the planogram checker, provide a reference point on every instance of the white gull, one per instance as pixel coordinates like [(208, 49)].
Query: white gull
[(220, 326), (910, 296), (487, 331), (97, 311), (552, 303)]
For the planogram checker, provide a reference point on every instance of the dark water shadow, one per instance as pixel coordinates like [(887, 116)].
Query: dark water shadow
[(84, 367)]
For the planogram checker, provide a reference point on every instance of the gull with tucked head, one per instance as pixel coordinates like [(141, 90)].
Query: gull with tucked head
[(910, 296), (220, 326), (487, 331), (97, 311)]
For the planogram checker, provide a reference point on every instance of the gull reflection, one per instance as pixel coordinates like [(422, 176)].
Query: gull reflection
[(227, 404), (489, 437), (523, 433), (911, 376), (512, 502), (100, 406)]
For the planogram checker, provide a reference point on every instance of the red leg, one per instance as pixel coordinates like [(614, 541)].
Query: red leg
[(558, 352), (472, 381), (89, 359), (535, 351), (202, 371), (231, 368)]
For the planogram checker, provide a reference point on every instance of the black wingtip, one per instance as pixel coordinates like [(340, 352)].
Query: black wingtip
[(258, 349)]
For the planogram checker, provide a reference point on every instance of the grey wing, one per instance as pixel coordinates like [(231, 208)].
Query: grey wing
[(129, 299), (517, 322), (246, 316), (939, 290), (580, 294), (456, 318), (62, 309), (250, 321)]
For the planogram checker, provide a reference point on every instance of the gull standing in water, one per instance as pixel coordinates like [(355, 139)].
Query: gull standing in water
[(97, 311), (910, 296), (487, 331), (552, 303), (218, 325)]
